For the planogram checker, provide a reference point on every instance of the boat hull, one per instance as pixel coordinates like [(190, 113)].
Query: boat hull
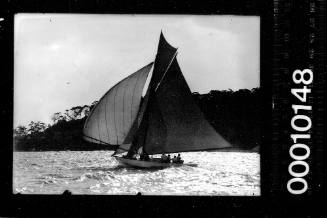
[(154, 163)]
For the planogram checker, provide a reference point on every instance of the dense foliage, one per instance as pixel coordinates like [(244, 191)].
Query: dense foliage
[(235, 115)]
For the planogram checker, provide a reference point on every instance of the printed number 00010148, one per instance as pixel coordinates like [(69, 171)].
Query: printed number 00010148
[(304, 77)]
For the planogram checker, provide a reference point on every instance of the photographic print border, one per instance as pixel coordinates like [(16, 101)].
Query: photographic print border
[(284, 47)]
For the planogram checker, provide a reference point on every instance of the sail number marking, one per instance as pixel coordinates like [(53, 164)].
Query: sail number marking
[(301, 123)]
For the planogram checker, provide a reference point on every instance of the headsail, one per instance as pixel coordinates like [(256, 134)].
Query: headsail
[(175, 122), (111, 120)]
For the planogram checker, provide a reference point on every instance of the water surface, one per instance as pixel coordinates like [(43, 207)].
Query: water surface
[(96, 172)]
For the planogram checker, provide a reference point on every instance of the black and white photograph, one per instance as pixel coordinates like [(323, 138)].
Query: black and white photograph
[(163, 109), (128, 104)]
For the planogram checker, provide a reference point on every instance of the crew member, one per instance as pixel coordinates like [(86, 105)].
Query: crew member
[(179, 159), (168, 159)]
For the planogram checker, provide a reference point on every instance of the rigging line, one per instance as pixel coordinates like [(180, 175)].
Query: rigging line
[(124, 104), (115, 115), (105, 117), (96, 140), (171, 61), (99, 122)]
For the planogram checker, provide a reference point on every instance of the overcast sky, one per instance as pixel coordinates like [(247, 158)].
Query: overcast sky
[(63, 61)]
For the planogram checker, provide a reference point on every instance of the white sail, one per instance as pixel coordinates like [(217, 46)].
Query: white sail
[(112, 117)]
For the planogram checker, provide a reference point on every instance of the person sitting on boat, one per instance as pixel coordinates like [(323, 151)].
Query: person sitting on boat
[(179, 159), (174, 160), (168, 158)]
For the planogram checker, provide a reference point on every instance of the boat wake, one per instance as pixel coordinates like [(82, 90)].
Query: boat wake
[(191, 164), (109, 168)]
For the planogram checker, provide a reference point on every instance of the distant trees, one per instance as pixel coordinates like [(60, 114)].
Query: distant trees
[(57, 117), (77, 112), (20, 131), (236, 115), (20, 134), (64, 133), (73, 113), (25, 138), (36, 127)]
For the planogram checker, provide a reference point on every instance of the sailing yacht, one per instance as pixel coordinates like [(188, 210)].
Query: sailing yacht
[(165, 120)]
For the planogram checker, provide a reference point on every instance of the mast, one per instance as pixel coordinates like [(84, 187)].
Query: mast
[(165, 55)]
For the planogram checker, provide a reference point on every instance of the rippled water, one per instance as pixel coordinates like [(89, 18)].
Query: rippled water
[(96, 172)]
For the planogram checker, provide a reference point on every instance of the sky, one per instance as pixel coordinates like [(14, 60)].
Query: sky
[(66, 60)]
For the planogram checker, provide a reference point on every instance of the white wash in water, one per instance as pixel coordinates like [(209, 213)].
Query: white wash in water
[(96, 172)]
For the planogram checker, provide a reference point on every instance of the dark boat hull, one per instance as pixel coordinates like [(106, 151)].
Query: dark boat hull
[(153, 163)]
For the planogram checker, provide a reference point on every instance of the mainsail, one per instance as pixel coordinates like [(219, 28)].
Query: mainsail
[(175, 123), (112, 118)]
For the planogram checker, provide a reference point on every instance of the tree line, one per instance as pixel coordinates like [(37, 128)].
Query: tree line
[(236, 115)]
